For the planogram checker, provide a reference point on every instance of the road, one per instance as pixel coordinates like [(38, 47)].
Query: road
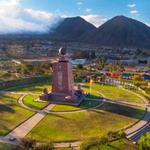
[(137, 135), (141, 128)]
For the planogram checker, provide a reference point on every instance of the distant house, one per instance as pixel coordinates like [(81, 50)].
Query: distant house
[(114, 75), (144, 61), (127, 76), (129, 62), (76, 62), (146, 77), (130, 69)]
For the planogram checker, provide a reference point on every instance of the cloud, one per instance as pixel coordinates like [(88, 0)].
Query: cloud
[(133, 9), (88, 10), (131, 5), (96, 20), (148, 24), (15, 18), (79, 3), (134, 12)]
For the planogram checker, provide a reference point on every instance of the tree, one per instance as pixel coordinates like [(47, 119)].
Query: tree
[(101, 63), (144, 143), (80, 66), (137, 78), (24, 69), (115, 135)]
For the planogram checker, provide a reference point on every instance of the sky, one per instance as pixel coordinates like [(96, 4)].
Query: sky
[(42, 15)]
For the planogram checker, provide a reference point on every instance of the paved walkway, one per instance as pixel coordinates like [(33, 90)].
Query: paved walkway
[(22, 130)]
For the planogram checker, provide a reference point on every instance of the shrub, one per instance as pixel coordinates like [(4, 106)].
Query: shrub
[(144, 142)]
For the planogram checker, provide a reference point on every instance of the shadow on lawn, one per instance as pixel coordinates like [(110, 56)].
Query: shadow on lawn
[(6, 108), (119, 109)]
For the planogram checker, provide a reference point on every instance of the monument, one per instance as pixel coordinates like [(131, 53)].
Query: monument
[(63, 91)]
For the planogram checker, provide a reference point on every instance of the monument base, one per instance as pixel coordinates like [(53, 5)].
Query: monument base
[(63, 99)]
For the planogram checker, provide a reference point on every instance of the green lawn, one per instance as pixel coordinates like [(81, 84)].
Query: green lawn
[(122, 144), (83, 105), (96, 123), (29, 101), (11, 113), (98, 90), (113, 93), (5, 147)]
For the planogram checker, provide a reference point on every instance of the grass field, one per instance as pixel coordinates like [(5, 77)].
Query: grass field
[(5, 146), (85, 125), (113, 93), (95, 123), (11, 114), (98, 90), (29, 101)]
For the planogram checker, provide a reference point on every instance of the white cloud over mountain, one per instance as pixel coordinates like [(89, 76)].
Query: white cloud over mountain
[(95, 19), (15, 18), (148, 24)]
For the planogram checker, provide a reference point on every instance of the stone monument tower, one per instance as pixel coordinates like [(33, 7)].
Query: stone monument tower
[(62, 82), (63, 91)]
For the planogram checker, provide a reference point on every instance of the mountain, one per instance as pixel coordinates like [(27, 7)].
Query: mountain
[(71, 29), (120, 31)]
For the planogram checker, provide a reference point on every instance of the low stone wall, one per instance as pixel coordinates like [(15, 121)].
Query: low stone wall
[(24, 81)]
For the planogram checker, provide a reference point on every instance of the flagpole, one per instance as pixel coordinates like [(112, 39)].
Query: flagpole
[(91, 82), (90, 88)]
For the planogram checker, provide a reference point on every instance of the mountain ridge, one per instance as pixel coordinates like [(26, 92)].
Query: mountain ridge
[(120, 31), (71, 29)]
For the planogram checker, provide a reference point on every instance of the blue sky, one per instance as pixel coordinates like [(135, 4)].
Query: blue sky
[(40, 15), (105, 8)]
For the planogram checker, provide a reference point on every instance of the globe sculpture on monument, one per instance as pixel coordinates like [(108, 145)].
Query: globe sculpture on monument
[(63, 91)]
